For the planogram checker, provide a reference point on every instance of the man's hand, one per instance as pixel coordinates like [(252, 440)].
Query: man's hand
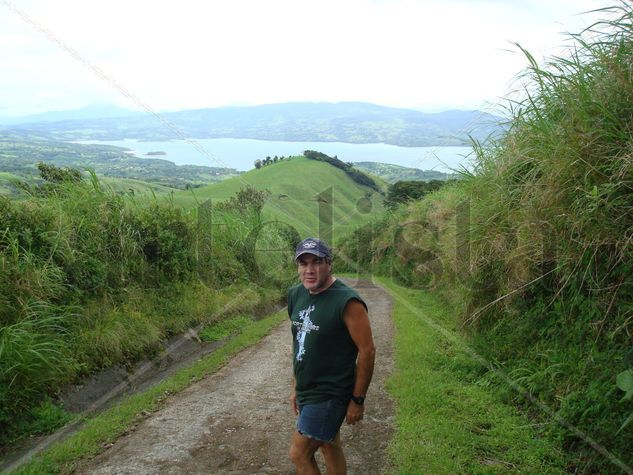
[(354, 413), (293, 403)]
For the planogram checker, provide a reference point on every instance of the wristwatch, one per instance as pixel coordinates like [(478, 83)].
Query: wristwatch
[(360, 400)]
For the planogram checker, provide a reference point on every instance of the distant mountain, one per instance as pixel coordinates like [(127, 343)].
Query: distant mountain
[(393, 173), (352, 122), (92, 111)]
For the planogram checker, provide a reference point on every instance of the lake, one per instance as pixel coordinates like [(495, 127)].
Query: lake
[(242, 153)]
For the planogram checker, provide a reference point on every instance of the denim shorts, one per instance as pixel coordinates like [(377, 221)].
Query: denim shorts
[(321, 421)]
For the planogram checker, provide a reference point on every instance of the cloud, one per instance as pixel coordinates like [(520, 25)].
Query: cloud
[(424, 54)]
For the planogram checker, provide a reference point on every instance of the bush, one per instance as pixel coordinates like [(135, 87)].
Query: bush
[(166, 238), (403, 191)]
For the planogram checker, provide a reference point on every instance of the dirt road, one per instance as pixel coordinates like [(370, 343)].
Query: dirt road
[(238, 420)]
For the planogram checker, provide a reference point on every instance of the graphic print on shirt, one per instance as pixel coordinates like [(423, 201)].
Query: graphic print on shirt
[(305, 326)]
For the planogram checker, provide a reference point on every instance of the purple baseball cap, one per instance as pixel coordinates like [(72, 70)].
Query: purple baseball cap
[(313, 246)]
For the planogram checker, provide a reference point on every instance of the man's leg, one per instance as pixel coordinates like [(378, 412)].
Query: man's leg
[(302, 450), (334, 457)]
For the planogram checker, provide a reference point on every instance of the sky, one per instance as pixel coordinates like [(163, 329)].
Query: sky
[(429, 55)]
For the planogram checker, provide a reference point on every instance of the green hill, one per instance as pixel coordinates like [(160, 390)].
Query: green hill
[(295, 186)]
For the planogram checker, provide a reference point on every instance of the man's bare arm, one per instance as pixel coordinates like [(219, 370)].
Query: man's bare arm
[(293, 398), (357, 321)]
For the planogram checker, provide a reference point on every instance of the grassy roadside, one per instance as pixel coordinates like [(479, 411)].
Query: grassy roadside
[(106, 427), (448, 419), (533, 247)]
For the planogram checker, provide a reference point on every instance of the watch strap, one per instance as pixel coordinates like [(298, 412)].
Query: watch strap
[(360, 400)]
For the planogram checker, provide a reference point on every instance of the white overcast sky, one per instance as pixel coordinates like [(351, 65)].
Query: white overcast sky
[(424, 54)]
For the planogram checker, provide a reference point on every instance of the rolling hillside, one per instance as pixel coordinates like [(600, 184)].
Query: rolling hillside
[(294, 185), (392, 173)]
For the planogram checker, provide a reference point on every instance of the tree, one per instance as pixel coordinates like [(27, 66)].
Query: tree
[(403, 191), (54, 174), (258, 163), (248, 198)]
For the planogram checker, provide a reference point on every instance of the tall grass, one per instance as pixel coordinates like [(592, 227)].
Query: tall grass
[(534, 247), (563, 177), (90, 278), (33, 357)]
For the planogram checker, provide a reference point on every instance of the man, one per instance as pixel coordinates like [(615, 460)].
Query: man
[(333, 359)]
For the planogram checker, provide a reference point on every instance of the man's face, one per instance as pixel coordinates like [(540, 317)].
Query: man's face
[(314, 272)]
